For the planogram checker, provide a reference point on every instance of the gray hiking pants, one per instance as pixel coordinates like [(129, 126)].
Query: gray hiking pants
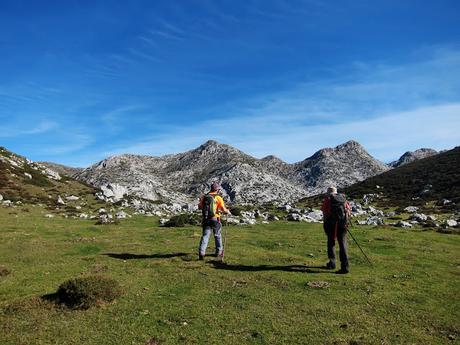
[(211, 226), (335, 230)]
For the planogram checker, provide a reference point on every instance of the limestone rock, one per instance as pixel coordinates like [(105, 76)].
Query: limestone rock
[(451, 223), (411, 209), (403, 224)]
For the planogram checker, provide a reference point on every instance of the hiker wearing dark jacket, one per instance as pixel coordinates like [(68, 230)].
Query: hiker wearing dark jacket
[(211, 205), (336, 211)]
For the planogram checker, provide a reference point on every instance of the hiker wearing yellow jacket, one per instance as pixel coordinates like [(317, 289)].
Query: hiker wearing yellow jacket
[(212, 205)]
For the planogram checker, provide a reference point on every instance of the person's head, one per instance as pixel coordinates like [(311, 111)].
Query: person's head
[(332, 190), (215, 187)]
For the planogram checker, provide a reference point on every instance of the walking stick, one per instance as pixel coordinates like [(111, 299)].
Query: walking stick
[(225, 226), (354, 239)]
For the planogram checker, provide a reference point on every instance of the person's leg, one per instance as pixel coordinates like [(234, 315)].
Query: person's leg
[(342, 238), (204, 240), (329, 229), (217, 228)]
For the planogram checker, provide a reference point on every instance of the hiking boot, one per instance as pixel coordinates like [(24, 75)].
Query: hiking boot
[(342, 271), (200, 257), (330, 265)]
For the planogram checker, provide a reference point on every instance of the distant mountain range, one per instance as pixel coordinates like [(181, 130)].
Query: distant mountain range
[(244, 179), (181, 178)]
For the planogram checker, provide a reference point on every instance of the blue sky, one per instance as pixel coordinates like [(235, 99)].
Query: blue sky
[(82, 80)]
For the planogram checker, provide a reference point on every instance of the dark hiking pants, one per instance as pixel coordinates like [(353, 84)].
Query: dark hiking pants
[(335, 230)]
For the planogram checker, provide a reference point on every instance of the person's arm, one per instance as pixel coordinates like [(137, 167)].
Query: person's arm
[(221, 206), (348, 209), (200, 203), (325, 208)]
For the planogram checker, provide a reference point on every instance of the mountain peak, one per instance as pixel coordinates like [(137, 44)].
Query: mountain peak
[(210, 143), (411, 156)]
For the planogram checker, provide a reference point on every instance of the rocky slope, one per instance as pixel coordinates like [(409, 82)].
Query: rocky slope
[(245, 179), (61, 169), (412, 156), (25, 181)]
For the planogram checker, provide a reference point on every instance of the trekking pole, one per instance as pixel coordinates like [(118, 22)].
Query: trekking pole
[(354, 239), (225, 226)]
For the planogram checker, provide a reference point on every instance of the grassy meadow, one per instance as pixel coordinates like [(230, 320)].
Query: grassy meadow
[(270, 290)]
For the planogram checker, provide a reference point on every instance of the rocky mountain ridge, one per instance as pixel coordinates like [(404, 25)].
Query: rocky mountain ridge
[(245, 179), (412, 156)]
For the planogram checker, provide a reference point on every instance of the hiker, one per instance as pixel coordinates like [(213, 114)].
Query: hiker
[(336, 211), (211, 206)]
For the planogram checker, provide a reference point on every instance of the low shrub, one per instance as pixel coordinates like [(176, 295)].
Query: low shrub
[(87, 292), (236, 210), (182, 220), (4, 271)]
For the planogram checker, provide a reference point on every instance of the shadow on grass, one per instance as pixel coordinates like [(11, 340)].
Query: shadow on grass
[(288, 268), (129, 256)]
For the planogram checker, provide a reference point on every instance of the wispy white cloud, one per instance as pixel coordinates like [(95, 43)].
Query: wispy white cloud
[(17, 129), (388, 108), (71, 143), (386, 136), (115, 118)]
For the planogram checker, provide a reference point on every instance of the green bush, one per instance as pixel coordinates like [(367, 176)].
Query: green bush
[(4, 271), (236, 210), (183, 219), (86, 292)]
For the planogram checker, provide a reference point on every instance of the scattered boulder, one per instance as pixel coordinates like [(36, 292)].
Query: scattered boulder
[(72, 198), (60, 201), (163, 221), (247, 221), (105, 219), (419, 217), (411, 209), (121, 215), (315, 215), (29, 176), (48, 215), (285, 208), (403, 224), (272, 218), (451, 223), (293, 217), (232, 221), (373, 221), (84, 216), (114, 191)]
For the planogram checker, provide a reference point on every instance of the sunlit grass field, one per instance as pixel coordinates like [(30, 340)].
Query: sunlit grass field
[(270, 290)]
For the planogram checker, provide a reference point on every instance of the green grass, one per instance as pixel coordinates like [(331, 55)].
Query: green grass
[(260, 296)]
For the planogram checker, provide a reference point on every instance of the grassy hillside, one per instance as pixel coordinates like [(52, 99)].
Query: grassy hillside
[(27, 182), (271, 290), (424, 183), (427, 180)]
